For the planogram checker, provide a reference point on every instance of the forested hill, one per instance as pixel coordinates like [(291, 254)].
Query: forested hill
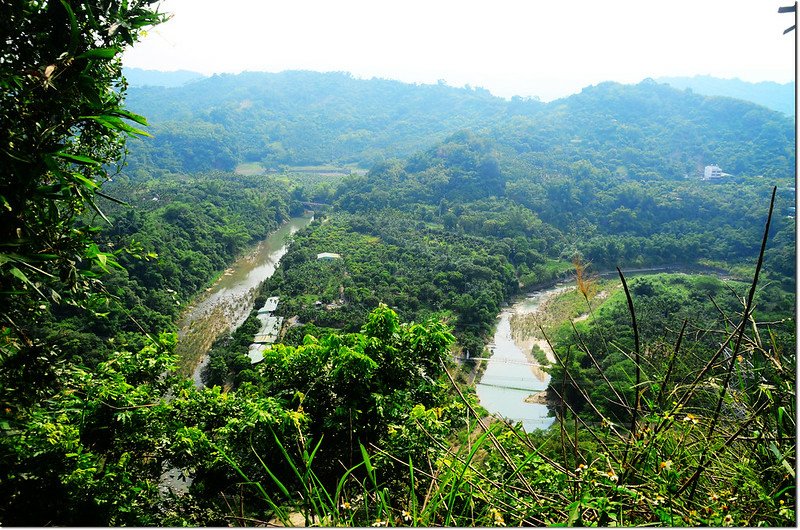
[(652, 130), (472, 184), (304, 118), (775, 96), (308, 118)]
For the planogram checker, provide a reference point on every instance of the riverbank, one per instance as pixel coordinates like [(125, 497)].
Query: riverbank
[(540, 319), (512, 373), (694, 268), (532, 324), (226, 304), (507, 389)]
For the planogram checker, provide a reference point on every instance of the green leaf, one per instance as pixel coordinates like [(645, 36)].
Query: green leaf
[(116, 124), (781, 459), (37, 269), (20, 275), (574, 513), (73, 27), (97, 209), (110, 198), (368, 465), (87, 182), (100, 53), (78, 159), (141, 120)]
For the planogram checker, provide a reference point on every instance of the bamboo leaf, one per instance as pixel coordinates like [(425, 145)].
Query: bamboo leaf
[(141, 120), (19, 275), (73, 27), (86, 181), (78, 159), (100, 53)]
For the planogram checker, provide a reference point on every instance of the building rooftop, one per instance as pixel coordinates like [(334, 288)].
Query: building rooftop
[(270, 328), (270, 305), (256, 353)]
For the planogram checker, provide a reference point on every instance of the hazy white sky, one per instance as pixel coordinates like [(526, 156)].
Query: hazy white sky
[(538, 48)]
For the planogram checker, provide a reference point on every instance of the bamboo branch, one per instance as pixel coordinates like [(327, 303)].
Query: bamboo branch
[(732, 361)]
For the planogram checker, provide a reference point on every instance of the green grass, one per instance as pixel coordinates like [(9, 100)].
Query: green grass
[(249, 169)]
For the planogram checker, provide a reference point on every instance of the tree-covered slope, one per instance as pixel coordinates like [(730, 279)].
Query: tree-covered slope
[(648, 130), (651, 130), (300, 117), (775, 96), (475, 185)]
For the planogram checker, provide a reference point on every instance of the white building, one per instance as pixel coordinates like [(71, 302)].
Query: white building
[(270, 329), (256, 353), (713, 172), (270, 305)]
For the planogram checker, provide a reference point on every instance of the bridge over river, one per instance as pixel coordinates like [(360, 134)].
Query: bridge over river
[(511, 374)]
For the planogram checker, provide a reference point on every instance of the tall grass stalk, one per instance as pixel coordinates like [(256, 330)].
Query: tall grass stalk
[(667, 466)]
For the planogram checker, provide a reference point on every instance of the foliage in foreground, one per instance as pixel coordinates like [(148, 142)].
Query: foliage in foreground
[(715, 449), (284, 442), (678, 468), (99, 440), (62, 125)]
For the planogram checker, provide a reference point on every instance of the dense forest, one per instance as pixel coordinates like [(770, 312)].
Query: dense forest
[(307, 118), (775, 96), (437, 207)]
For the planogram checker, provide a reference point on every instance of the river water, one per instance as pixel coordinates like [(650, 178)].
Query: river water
[(227, 303), (511, 374)]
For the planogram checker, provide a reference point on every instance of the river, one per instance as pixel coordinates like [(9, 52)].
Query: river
[(512, 374), (226, 304)]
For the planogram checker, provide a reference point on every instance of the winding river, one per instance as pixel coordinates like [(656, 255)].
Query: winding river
[(512, 375), (513, 384), (227, 303)]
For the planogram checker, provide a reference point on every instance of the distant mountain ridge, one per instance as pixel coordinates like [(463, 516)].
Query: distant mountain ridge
[(305, 118), (652, 130), (138, 77), (298, 118), (775, 96)]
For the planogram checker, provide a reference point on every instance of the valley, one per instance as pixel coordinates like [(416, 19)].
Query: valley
[(470, 310), (226, 304)]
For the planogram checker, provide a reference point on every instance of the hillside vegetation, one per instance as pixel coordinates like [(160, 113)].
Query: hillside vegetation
[(675, 396), (775, 96), (307, 118)]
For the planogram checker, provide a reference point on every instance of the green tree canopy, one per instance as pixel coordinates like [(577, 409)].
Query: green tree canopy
[(62, 128)]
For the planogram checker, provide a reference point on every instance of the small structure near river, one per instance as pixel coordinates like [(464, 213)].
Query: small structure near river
[(270, 305), (269, 331)]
